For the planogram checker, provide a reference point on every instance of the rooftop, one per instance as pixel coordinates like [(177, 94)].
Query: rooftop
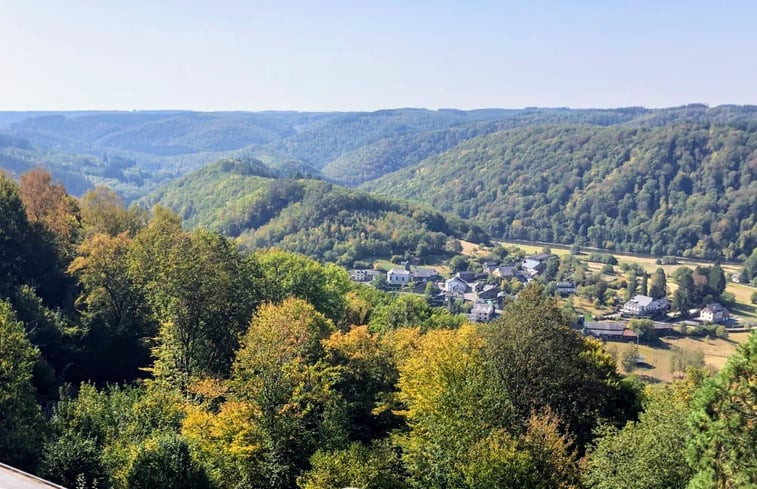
[(399, 271)]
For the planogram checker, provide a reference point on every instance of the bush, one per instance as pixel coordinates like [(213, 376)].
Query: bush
[(721, 332), (603, 258), (753, 298), (166, 462)]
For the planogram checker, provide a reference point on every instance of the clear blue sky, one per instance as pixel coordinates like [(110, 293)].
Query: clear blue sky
[(355, 55)]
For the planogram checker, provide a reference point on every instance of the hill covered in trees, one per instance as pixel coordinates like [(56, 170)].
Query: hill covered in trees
[(245, 199), (685, 188), (135, 152)]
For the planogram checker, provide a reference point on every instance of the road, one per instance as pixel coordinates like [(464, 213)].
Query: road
[(11, 479)]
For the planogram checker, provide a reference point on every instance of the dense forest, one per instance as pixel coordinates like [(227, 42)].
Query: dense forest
[(675, 189), (245, 199), (137, 354), (136, 152)]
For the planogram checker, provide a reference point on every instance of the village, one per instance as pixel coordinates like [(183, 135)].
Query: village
[(482, 293)]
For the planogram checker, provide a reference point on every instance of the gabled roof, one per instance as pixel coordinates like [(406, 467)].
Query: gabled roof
[(641, 300), (482, 307), (399, 271), (715, 307), (539, 257), (425, 272), (605, 325)]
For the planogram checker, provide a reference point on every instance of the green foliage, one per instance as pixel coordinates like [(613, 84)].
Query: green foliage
[(368, 378), (74, 460), (202, 293), (659, 286), (96, 433), (283, 406), (405, 310), (28, 253), (723, 418), (165, 462), (369, 467), (453, 402), (608, 187), (629, 358), (649, 453), (286, 274), (644, 329), (542, 363), (20, 420), (311, 217)]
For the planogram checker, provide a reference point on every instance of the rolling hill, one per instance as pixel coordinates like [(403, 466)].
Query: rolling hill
[(245, 199), (685, 188)]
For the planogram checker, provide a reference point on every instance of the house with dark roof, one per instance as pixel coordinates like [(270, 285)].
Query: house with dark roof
[(608, 331), (486, 292), (540, 257), (425, 274), (505, 272), (466, 276), (566, 288), (714, 313)]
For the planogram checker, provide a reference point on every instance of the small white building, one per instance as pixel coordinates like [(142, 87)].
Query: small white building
[(398, 276), (714, 313)]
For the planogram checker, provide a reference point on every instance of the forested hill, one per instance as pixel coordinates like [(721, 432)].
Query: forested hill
[(685, 188), (246, 200), (390, 154), (135, 152)]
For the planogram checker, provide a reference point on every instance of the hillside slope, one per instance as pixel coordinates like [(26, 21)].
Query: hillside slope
[(246, 200), (387, 155), (677, 189)]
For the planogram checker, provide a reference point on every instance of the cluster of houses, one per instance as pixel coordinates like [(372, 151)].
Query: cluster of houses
[(487, 299), (642, 306), (467, 286)]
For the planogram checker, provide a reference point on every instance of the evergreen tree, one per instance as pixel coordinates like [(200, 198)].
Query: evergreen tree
[(723, 420), (658, 287), (644, 279)]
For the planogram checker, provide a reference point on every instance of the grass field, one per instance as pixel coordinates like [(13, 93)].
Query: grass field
[(658, 358)]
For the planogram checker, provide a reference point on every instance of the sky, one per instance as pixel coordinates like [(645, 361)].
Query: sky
[(360, 55)]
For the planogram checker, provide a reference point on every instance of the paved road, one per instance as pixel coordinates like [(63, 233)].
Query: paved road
[(10, 479)]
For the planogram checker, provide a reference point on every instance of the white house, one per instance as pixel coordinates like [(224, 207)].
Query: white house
[(642, 305), (714, 313), (456, 284), (481, 312), (398, 276), (532, 266)]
